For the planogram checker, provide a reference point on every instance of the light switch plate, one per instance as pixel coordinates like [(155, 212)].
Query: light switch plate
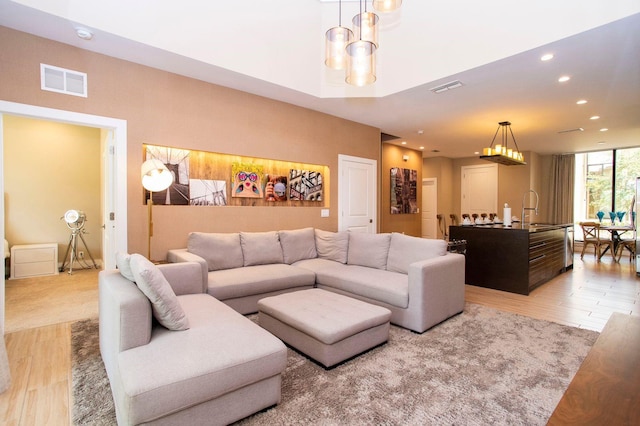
[(324, 213)]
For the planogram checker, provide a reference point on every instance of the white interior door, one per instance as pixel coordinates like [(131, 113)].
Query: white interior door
[(479, 189), (429, 208), (357, 196)]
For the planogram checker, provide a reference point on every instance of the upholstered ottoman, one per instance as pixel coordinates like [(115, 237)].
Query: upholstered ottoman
[(328, 327)]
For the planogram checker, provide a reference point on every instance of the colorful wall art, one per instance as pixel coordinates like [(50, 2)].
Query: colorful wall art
[(275, 188), (247, 180), (305, 185), (215, 179), (404, 195), (177, 161)]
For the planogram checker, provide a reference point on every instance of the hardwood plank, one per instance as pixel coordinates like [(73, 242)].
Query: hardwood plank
[(605, 389)]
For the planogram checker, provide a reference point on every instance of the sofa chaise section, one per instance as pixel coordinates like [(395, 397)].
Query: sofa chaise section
[(221, 368)]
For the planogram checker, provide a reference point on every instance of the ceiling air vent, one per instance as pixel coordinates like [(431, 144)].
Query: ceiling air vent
[(60, 80), (447, 86), (577, 129)]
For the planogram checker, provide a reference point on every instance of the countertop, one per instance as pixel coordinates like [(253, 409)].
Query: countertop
[(517, 226)]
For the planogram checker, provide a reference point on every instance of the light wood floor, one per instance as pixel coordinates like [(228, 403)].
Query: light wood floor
[(39, 345)]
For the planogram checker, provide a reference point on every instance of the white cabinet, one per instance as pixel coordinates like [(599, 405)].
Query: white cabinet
[(34, 260)]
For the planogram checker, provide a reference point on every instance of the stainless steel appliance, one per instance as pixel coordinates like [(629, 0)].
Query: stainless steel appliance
[(568, 248)]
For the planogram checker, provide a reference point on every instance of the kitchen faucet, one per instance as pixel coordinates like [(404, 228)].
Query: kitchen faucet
[(529, 208)]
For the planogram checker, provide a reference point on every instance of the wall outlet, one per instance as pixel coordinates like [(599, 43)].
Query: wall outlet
[(324, 213), (81, 254)]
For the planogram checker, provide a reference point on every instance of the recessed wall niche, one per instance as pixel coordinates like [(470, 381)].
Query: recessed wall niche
[(203, 178)]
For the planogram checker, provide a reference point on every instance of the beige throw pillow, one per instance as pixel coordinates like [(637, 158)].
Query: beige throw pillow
[(298, 244), (332, 245), (221, 251), (261, 248), (123, 263), (369, 250), (164, 302), (405, 250)]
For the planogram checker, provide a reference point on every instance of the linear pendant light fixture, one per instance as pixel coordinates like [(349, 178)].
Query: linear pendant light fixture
[(356, 53), (501, 153)]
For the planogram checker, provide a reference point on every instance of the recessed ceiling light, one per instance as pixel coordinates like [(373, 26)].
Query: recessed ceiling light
[(564, 78), (420, 131), (604, 129), (84, 33), (404, 142), (582, 102), (422, 147), (547, 57), (476, 153), (594, 117), (601, 143)]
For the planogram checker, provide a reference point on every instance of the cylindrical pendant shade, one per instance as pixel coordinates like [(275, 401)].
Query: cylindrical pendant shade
[(365, 27), (361, 68), (386, 5), (336, 42)]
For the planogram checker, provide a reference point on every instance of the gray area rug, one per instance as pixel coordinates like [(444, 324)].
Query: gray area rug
[(481, 367)]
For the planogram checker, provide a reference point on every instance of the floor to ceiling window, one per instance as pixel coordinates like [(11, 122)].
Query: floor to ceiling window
[(605, 181)]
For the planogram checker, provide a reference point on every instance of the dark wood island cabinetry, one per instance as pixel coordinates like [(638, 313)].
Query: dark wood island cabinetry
[(515, 259)]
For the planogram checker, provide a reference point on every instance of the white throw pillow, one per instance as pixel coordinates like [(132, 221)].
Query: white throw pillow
[(123, 263), (164, 302), (298, 244), (332, 245), (221, 251), (405, 250), (261, 248), (369, 250)]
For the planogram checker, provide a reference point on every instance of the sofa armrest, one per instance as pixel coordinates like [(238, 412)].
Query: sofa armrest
[(436, 289), (183, 255), (125, 316), (184, 277)]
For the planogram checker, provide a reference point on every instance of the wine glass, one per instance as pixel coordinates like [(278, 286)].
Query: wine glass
[(620, 216), (612, 216), (600, 215)]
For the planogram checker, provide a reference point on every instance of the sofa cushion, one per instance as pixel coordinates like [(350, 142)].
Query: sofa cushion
[(366, 283), (369, 250), (258, 279), (123, 263), (405, 250), (261, 248), (332, 245), (222, 351), (164, 302), (221, 251), (298, 244)]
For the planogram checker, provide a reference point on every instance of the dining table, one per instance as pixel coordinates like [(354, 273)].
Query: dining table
[(616, 231)]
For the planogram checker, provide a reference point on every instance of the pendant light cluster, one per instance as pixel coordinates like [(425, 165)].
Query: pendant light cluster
[(354, 51)]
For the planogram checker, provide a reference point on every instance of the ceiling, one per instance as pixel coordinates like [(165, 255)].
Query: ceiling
[(493, 48)]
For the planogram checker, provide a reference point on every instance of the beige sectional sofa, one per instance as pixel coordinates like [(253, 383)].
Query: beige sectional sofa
[(175, 355), (416, 278)]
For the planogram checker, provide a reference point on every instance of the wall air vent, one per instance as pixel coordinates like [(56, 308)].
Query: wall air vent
[(60, 80), (577, 129), (447, 86)]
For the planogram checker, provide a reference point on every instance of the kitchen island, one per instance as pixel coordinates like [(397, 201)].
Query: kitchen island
[(516, 258)]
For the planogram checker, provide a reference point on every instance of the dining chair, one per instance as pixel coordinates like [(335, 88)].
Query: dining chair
[(629, 244), (591, 235)]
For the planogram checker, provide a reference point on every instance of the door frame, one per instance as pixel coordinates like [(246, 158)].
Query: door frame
[(424, 201), (343, 189), (116, 178)]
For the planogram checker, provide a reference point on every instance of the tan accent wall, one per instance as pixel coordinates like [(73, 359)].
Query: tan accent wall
[(167, 109), (50, 168), (410, 224)]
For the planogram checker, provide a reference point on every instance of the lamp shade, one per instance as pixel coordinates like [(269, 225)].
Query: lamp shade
[(336, 42), (155, 175), (361, 68), (386, 5), (365, 27)]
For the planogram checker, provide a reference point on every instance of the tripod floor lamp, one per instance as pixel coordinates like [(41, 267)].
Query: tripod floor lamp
[(155, 177)]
